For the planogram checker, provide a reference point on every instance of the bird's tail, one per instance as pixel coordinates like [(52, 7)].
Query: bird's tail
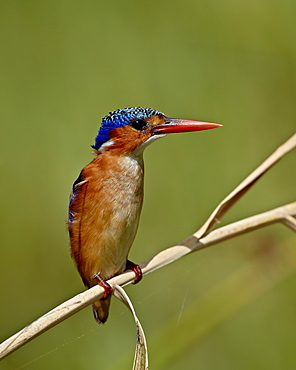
[(101, 310)]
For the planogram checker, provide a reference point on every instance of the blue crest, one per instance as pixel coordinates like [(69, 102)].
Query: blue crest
[(120, 118)]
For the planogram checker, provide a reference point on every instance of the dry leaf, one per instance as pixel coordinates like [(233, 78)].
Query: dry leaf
[(141, 353), (244, 186)]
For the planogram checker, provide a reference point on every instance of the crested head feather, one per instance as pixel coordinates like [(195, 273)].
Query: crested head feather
[(120, 118)]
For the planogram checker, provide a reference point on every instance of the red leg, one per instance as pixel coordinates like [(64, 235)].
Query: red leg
[(103, 283), (137, 270)]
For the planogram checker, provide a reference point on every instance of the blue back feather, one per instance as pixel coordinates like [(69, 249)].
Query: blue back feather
[(120, 118)]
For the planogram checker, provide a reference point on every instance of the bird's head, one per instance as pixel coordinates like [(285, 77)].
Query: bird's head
[(130, 129)]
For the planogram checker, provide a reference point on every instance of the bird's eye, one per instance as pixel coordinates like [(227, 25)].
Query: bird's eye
[(139, 124)]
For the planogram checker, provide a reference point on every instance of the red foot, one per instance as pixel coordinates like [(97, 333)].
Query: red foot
[(137, 270), (103, 283)]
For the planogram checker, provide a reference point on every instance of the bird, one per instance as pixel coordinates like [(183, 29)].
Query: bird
[(107, 197)]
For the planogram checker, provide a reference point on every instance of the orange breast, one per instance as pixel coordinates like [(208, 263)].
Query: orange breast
[(105, 213)]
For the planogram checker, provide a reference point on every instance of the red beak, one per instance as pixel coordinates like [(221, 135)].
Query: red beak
[(174, 125)]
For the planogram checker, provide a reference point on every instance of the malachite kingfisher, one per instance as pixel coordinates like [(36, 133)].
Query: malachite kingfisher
[(106, 199)]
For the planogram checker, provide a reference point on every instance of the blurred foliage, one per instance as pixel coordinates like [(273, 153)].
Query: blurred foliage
[(64, 65)]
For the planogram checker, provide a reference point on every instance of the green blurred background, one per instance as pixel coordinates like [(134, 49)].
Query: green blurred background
[(64, 65)]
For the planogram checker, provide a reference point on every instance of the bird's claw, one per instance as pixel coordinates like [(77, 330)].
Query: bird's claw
[(136, 269), (103, 283)]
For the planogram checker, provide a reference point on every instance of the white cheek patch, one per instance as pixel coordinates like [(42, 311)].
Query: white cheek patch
[(105, 145)]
